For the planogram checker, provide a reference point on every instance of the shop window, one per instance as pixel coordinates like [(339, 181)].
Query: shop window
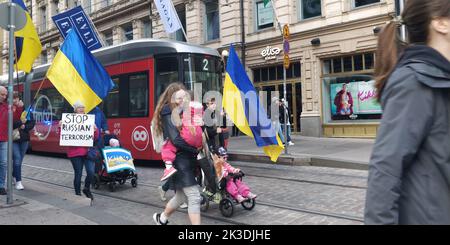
[(359, 3), (369, 61), (348, 66), (272, 73), (256, 75), (358, 60), (297, 69), (264, 74), (310, 9), (280, 72), (264, 15), (326, 67), (337, 65)]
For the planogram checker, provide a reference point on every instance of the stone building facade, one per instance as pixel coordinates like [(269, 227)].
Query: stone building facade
[(332, 43)]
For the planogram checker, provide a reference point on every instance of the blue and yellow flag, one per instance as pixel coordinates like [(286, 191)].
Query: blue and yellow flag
[(242, 104), (28, 45), (77, 75)]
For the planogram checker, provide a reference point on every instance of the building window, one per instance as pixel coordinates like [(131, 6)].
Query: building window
[(359, 3), (147, 29), (71, 3), (43, 24), (105, 3), (310, 9), (87, 6), (349, 89), (108, 38), (276, 73), (55, 9), (212, 20), (128, 32), (264, 15), (179, 35), (44, 59)]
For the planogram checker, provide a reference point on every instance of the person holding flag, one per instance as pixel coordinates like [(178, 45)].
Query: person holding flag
[(83, 82), (244, 109), (28, 45)]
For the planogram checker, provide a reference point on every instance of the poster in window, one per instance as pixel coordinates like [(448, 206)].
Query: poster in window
[(265, 14), (354, 100)]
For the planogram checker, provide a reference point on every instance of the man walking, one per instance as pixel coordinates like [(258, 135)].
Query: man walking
[(3, 138)]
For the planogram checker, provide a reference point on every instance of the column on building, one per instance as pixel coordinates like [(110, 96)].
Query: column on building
[(137, 29), (117, 35), (194, 20)]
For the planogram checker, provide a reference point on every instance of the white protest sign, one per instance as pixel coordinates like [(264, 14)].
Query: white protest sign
[(77, 130)]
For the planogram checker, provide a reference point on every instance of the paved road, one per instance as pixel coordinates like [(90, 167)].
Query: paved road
[(287, 195)]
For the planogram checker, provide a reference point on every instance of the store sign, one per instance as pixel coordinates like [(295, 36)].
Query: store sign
[(270, 53), (354, 100)]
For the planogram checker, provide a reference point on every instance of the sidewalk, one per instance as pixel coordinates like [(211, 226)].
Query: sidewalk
[(324, 152)]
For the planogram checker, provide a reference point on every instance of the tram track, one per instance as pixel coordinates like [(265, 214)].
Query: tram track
[(259, 202)]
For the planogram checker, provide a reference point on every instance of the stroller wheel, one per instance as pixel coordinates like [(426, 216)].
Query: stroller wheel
[(112, 186), (204, 203), (134, 182), (248, 204), (122, 181), (226, 207)]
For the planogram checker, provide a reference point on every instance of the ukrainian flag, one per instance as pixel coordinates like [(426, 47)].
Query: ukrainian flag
[(242, 104), (28, 45), (77, 75)]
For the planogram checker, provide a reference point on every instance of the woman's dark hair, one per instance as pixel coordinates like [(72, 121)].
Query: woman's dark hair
[(417, 16)]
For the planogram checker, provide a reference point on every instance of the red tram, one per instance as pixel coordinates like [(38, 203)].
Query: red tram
[(141, 70)]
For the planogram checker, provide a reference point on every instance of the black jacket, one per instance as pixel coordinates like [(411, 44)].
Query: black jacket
[(409, 171), (24, 133), (186, 160)]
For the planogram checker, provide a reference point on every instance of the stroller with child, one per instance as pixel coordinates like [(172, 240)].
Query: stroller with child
[(115, 166), (214, 187)]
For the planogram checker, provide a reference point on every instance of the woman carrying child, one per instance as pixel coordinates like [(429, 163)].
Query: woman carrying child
[(167, 118)]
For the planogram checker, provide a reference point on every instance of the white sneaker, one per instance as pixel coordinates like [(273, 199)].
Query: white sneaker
[(291, 143), (19, 186), (184, 206), (162, 194)]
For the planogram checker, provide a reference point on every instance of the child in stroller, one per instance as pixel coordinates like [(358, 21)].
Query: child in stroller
[(230, 186), (111, 176)]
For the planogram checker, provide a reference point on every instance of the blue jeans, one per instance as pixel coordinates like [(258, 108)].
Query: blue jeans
[(288, 132), (3, 163), (19, 151), (77, 164)]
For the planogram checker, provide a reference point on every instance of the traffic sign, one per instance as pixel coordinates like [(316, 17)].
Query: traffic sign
[(286, 46), (287, 61), (286, 32), (20, 18)]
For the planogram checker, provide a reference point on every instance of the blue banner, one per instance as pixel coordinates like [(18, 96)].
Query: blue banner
[(77, 18)]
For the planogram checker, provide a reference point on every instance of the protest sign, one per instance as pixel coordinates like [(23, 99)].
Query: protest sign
[(118, 159), (77, 130)]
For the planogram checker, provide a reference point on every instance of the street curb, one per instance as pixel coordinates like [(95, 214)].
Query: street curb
[(299, 160)]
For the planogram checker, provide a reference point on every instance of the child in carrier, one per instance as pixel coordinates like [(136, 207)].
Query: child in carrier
[(190, 130), (234, 184)]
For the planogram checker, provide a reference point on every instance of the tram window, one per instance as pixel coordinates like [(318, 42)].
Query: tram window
[(112, 101), (138, 95), (167, 73), (56, 103)]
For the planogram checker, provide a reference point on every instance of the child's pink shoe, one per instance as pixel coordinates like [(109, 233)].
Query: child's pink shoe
[(251, 196), (168, 172), (240, 199)]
